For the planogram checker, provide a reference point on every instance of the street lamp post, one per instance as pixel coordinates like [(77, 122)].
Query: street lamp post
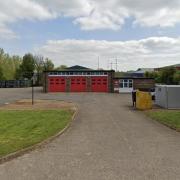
[(32, 82)]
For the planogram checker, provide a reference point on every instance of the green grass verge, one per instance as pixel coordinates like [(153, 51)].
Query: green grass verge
[(21, 129), (170, 118)]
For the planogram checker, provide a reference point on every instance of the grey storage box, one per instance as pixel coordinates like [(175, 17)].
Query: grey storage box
[(168, 96)]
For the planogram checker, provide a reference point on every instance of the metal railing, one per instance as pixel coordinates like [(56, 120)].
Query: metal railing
[(15, 83)]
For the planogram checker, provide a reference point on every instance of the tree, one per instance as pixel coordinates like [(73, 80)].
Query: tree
[(156, 75), (1, 74), (9, 65), (16, 67), (48, 65), (1, 52), (176, 77), (61, 67), (147, 74), (27, 67), (39, 67), (1, 70), (167, 75), (42, 65)]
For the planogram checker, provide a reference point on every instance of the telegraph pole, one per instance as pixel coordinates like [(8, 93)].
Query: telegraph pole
[(111, 65), (98, 62), (107, 64), (116, 64), (32, 81)]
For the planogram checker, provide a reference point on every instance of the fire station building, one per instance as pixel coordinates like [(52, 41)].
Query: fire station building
[(78, 79), (128, 84)]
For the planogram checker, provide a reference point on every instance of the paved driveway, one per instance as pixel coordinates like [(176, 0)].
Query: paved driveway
[(107, 141)]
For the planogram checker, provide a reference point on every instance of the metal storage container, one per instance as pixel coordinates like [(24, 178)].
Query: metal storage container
[(168, 96)]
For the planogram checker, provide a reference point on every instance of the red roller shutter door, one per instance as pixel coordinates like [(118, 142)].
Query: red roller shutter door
[(99, 84), (57, 84), (78, 84)]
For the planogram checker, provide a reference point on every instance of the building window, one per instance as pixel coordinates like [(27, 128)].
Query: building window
[(126, 83)]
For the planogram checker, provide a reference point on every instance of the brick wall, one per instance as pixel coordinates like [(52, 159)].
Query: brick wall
[(143, 83)]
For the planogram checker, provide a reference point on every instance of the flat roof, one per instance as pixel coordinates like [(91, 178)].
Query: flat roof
[(133, 78), (168, 86), (81, 70)]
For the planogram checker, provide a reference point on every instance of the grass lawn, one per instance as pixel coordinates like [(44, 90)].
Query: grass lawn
[(23, 128), (170, 118)]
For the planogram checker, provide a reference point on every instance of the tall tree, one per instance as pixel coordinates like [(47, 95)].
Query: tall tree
[(39, 67), (176, 77), (48, 65), (167, 75), (27, 67), (15, 67), (9, 65), (1, 74)]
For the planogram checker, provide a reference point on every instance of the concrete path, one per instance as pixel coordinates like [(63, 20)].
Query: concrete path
[(107, 141)]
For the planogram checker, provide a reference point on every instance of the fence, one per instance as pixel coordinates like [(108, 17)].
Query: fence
[(15, 84)]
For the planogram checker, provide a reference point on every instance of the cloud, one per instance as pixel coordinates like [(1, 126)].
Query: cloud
[(92, 14), (105, 14), (150, 52), (12, 11), (6, 33)]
